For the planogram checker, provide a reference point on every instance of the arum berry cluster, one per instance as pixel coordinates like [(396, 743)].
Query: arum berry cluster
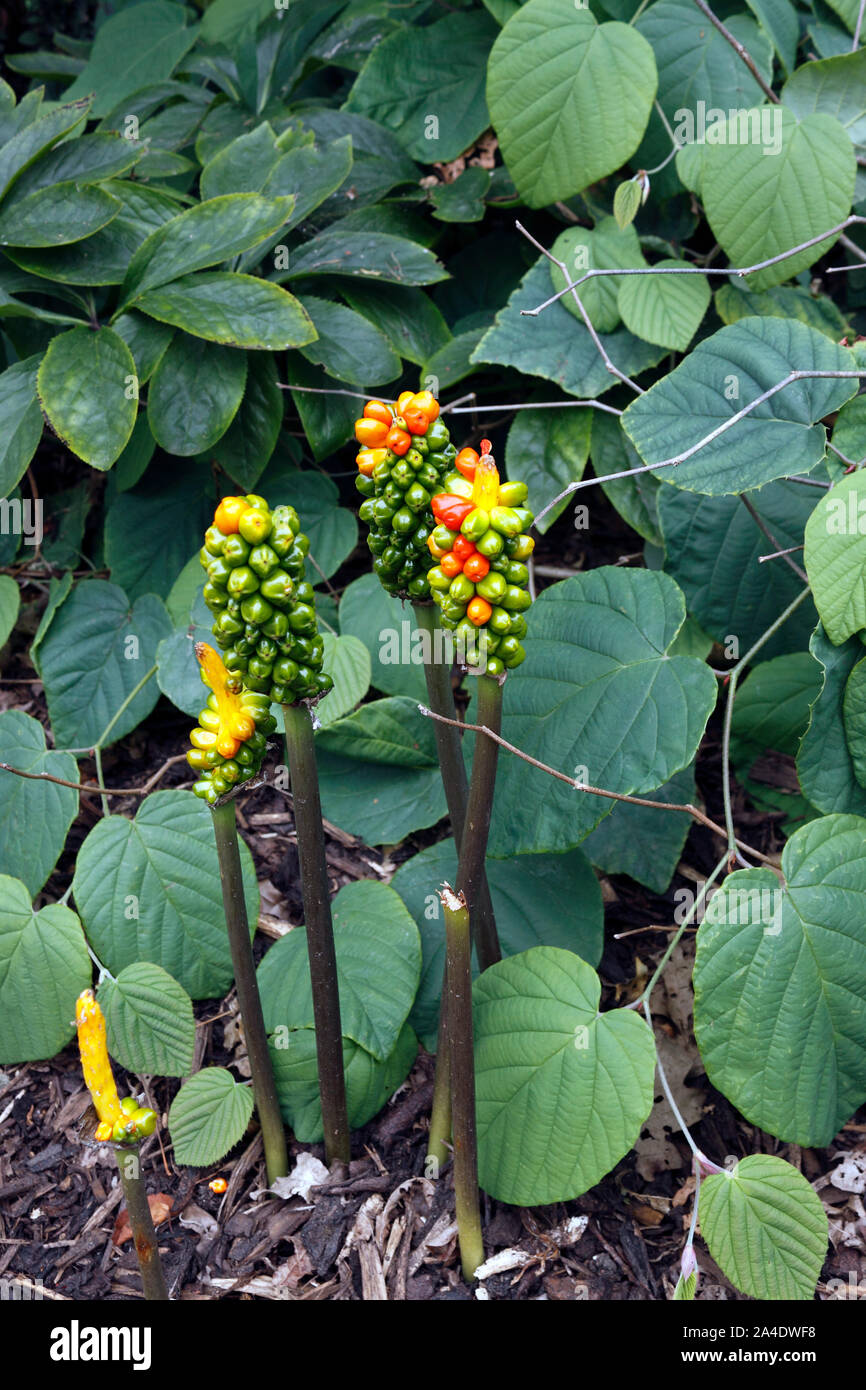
[(480, 581), (406, 452), (265, 619)]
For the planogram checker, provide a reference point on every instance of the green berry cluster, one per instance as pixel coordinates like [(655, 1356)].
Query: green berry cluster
[(265, 621), (396, 507)]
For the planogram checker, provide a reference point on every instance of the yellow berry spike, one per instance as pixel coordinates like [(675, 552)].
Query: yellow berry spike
[(98, 1076), (485, 487), (236, 724)]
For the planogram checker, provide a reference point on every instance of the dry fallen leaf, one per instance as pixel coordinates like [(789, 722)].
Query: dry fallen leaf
[(160, 1210)]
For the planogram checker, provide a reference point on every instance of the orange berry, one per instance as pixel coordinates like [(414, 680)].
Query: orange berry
[(466, 462), (426, 401), (451, 564), (373, 433), (478, 611), (463, 547), (476, 567), (229, 513), (403, 400), (218, 1185), (398, 441), (378, 410)]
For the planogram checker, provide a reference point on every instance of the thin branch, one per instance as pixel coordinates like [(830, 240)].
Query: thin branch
[(600, 348), (853, 248), (685, 807), (782, 554), (799, 375), (739, 271), (87, 790), (779, 554), (855, 42), (332, 391), (741, 51), (531, 405)]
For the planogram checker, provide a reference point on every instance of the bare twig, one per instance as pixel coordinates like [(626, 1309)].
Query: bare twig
[(87, 790), (531, 405), (600, 348), (741, 51), (685, 807), (797, 375), (782, 554)]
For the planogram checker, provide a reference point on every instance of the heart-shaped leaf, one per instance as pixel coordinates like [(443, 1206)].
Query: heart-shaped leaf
[(208, 1116), (561, 1090), (149, 1020), (44, 966), (780, 985)]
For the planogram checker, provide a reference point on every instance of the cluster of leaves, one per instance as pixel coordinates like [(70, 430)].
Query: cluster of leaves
[(151, 215)]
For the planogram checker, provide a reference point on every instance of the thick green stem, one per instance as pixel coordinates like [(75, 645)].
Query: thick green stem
[(449, 747), (438, 1139), (141, 1224), (461, 1049), (473, 844), (301, 752), (264, 1086)]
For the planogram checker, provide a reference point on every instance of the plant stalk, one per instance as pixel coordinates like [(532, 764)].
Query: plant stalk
[(264, 1086), (461, 1049), (301, 753), (479, 807), (449, 747), (141, 1223)]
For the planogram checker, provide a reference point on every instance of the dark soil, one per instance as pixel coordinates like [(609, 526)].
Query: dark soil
[(382, 1229)]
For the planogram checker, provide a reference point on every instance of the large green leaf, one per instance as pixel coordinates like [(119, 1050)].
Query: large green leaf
[(538, 900), (208, 1116), (760, 199), (824, 764), (57, 216), (242, 166), (407, 316), (44, 966), (766, 1228), (347, 662), (772, 706), (723, 375), (569, 98), (368, 1083), (89, 391), (149, 890), (379, 772), (547, 450), (247, 445), (19, 152), (634, 498), (561, 1090), (240, 311), (606, 246), (349, 346), (178, 671), (696, 63), (96, 651), (149, 1020), (733, 301), (310, 175), (600, 698), (418, 71), (10, 605), (144, 555), (835, 556), (378, 965), (555, 346), (378, 255), (664, 309), (84, 160), (643, 842), (386, 626), (194, 394), (20, 421), (854, 711), (202, 236), (780, 985), (712, 546), (140, 45), (834, 85), (34, 816)]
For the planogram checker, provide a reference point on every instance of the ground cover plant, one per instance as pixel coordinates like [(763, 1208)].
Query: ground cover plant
[(433, 617)]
